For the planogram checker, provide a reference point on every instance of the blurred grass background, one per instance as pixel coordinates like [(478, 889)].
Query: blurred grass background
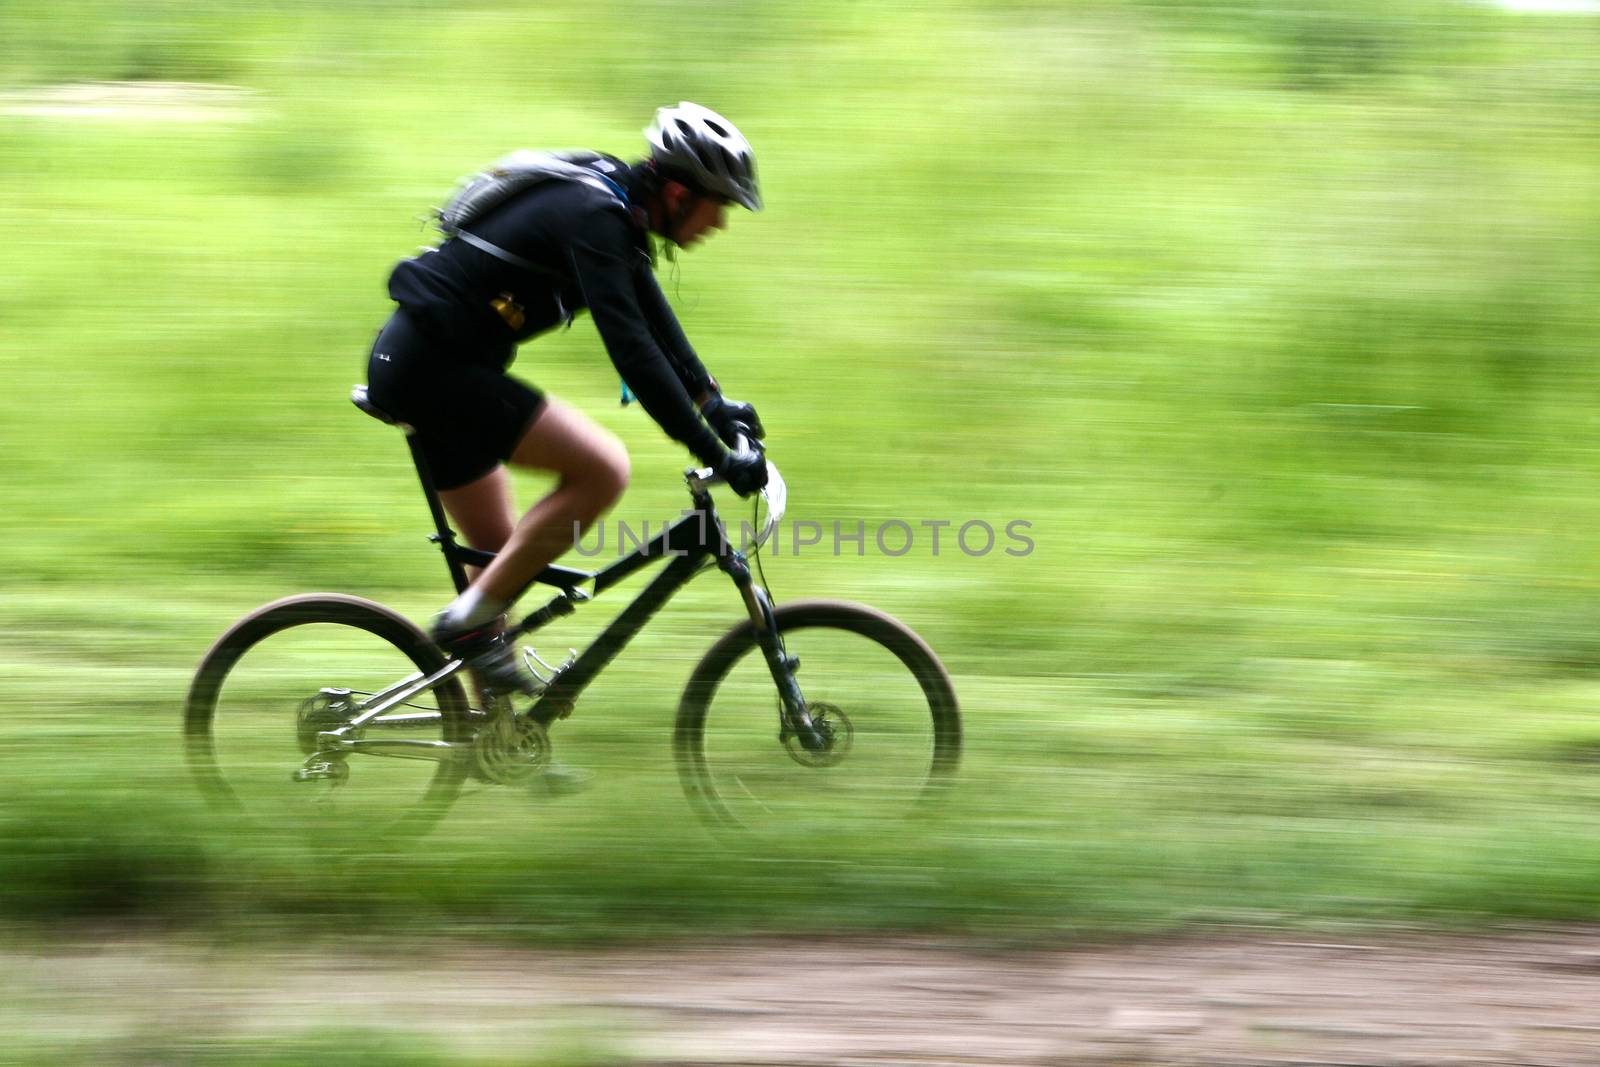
[(1275, 321), (338, 1046)]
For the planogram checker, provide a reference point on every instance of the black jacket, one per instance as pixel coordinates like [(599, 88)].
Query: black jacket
[(587, 250)]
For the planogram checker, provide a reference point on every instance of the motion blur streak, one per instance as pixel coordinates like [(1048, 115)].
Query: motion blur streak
[(1275, 320)]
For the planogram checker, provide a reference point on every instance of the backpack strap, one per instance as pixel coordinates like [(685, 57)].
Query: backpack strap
[(554, 167), (497, 252)]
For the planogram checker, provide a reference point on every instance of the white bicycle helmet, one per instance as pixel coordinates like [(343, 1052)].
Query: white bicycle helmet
[(707, 151)]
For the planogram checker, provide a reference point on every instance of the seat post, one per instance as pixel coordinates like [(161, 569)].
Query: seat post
[(445, 538)]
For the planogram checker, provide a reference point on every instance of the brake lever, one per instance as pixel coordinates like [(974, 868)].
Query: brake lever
[(745, 440)]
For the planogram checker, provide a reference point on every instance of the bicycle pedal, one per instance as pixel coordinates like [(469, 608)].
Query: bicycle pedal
[(530, 658)]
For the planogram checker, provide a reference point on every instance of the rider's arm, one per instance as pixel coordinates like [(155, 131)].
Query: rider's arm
[(602, 262), (664, 324)]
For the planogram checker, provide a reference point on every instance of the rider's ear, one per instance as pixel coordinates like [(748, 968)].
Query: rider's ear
[(674, 194)]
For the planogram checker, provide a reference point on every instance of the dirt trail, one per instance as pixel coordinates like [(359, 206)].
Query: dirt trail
[(1515, 999)]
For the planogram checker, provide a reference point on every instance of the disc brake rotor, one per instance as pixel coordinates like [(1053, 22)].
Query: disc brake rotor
[(834, 725)]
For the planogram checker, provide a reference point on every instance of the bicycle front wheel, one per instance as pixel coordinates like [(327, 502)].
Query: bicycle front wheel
[(306, 664), (870, 683)]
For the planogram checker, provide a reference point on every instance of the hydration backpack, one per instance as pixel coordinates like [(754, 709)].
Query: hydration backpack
[(481, 193)]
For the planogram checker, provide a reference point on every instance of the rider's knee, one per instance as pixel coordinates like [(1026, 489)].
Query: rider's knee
[(607, 474)]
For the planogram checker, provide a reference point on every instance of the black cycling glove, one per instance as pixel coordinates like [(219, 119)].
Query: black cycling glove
[(731, 417), (746, 471)]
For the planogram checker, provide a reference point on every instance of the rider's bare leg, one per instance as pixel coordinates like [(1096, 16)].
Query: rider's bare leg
[(482, 512), (591, 466)]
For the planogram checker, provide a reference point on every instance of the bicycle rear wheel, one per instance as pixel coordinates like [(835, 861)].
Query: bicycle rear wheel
[(868, 680), (297, 666)]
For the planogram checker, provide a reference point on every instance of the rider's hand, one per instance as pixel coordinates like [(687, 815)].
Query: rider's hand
[(732, 417), (745, 471)]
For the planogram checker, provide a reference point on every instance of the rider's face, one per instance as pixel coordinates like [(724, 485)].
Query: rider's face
[(696, 215)]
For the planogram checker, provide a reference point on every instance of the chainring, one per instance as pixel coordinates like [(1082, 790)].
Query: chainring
[(509, 752)]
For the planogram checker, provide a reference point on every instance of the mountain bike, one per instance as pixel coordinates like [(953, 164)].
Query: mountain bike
[(337, 704)]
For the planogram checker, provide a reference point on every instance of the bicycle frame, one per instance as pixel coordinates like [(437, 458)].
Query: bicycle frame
[(687, 545)]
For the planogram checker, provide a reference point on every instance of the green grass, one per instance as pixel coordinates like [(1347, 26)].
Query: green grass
[(1275, 321), (335, 1046)]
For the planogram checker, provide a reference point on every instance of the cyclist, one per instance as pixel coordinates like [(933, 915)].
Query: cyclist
[(551, 249)]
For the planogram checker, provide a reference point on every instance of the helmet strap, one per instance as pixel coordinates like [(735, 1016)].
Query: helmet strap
[(681, 215), (656, 209)]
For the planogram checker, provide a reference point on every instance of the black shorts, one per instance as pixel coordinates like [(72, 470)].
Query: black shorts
[(468, 415)]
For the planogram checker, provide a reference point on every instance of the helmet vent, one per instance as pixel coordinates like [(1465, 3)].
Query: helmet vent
[(701, 149)]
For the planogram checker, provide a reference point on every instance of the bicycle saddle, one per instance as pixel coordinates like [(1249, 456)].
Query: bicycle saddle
[(358, 397)]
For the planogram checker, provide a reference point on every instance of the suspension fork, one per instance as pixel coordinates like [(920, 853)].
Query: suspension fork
[(793, 720)]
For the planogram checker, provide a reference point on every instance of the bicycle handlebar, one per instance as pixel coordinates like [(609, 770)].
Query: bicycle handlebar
[(775, 494), (743, 441)]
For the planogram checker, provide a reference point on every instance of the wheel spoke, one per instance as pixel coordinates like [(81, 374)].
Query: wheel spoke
[(281, 681), (874, 691)]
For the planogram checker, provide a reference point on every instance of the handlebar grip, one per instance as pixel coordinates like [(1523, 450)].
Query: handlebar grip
[(744, 440)]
